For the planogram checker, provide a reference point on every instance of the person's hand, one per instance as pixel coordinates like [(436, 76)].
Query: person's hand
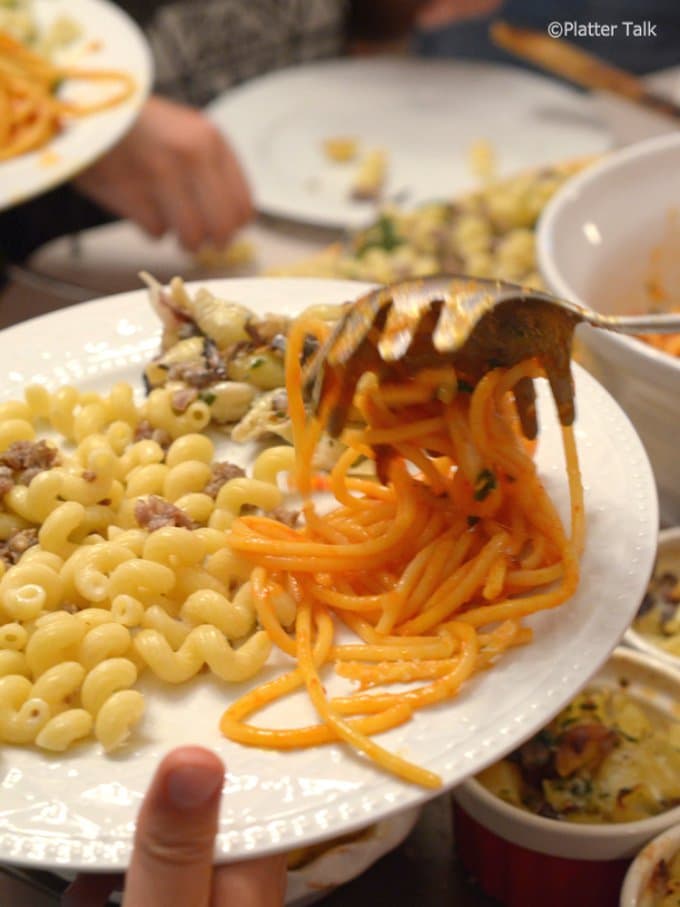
[(172, 860), (172, 172)]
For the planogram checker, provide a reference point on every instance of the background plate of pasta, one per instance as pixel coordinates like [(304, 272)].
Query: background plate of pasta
[(136, 617), (73, 77), (316, 152)]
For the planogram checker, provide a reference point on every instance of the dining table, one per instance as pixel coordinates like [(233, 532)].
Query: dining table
[(424, 870)]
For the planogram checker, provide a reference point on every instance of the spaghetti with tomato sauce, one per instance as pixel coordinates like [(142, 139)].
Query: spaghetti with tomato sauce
[(433, 565), (32, 112)]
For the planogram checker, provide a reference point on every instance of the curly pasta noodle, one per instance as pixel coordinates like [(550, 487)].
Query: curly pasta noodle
[(93, 593), (433, 569)]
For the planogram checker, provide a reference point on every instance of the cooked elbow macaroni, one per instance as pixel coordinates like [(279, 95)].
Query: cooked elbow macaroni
[(100, 592)]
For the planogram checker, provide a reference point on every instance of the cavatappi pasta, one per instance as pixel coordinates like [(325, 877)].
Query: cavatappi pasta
[(340, 148), (219, 354), (370, 176), (114, 561)]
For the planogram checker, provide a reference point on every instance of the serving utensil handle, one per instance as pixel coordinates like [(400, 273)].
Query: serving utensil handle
[(667, 323)]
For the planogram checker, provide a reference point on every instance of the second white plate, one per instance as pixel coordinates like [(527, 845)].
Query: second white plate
[(425, 114)]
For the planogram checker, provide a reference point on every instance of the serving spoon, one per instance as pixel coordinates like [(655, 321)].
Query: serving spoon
[(471, 323)]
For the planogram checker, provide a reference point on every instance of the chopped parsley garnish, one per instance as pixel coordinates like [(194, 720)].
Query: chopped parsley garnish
[(484, 484), (581, 787), (207, 397), (546, 737), (569, 721), (382, 235)]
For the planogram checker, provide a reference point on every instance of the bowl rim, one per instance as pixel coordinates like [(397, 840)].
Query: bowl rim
[(545, 239), (640, 870), (668, 537), (575, 831)]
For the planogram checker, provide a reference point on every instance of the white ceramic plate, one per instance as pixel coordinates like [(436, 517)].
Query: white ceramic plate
[(110, 40), (426, 114), (77, 810)]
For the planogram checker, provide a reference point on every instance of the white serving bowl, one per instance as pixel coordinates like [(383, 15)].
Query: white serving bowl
[(530, 852), (636, 890), (595, 242), (668, 552)]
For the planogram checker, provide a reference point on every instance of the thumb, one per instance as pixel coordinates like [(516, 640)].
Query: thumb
[(173, 853)]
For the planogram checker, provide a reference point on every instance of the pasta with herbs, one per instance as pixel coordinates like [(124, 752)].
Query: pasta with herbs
[(433, 567), (113, 561), (486, 233)]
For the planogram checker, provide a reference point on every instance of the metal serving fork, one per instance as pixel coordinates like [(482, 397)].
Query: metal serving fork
[(473, 324)]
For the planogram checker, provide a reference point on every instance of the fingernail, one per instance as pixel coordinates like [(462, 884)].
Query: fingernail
[(191, 786)]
